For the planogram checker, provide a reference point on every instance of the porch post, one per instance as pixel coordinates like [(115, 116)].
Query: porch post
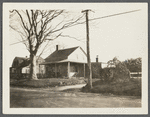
[(39, 68), (68, 69), (55, 71), (84, 69), (39, 71)]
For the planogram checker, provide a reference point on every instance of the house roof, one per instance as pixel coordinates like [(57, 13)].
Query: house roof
[(20, 62), (60, 55)]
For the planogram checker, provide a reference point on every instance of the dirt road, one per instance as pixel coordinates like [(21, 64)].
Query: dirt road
[(50, 98)]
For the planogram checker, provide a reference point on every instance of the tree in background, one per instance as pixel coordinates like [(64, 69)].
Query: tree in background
[(134, 65), (37, 26), (116, 71)]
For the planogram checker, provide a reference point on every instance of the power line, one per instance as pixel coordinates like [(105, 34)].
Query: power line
[(105, 17), (114, 14), (18, 42)]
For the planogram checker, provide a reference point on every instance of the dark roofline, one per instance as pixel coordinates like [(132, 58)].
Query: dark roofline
[(21, 57), (62, 50), (74, 47), (69, 48), (63, 56), (83, 51), (28, 57)]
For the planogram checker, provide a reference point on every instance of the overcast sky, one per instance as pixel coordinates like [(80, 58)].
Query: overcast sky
[(124, 36)]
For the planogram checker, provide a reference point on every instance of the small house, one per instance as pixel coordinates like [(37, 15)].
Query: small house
[(70, 62)]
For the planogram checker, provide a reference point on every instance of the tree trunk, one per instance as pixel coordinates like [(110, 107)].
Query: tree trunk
[(33, 75)]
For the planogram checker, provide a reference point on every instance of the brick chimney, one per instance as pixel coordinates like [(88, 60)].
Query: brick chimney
[(57, 47), (97, 58)]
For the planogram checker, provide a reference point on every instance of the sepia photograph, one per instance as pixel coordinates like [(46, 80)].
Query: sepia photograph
[(75, 58)]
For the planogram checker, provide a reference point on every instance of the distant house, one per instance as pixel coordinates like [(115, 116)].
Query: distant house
[(70, 62), (21, 65)]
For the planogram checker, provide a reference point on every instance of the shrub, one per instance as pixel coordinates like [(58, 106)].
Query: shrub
[(129, 88), (46, 82), (118, 73)]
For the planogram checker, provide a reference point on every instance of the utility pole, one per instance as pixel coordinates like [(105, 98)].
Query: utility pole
[(88, 50)]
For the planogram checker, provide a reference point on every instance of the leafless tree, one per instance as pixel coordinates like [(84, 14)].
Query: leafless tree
[(37, 26)]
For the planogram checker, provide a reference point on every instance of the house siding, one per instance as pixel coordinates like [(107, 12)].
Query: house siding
[(78, 56)]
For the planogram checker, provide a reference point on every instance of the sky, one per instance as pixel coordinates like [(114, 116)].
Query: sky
[(124, 36)]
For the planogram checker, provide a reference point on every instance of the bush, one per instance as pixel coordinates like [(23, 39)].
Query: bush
[(129, 88), (118, 73), (46, 82), (116, 80)]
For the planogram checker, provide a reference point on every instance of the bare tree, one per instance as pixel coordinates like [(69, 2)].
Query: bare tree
[(37, 26)]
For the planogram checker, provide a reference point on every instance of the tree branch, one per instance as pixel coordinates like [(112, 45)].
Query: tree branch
[(28, 17), (17, 31), (71, 37), (22, 20), (48, 43)]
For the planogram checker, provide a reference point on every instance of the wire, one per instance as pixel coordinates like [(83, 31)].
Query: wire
[(106, 16), (18, 42), (114, 15)]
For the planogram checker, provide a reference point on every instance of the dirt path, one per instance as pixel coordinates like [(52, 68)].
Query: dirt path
[(50, 98), (60, 88)]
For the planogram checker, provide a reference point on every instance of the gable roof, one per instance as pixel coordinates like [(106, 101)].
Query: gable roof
[(83, 51), (60, 55), (20, 62)]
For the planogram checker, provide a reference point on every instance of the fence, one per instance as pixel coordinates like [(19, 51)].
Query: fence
[(136, 74)]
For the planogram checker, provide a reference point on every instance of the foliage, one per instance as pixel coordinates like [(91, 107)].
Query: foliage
[(45, 82), (115, 72), (115, 79), (134, 65), (129, 88)]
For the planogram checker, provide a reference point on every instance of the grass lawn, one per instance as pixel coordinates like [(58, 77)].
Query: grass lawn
[(48, 82), (130, 88), (42, 98)]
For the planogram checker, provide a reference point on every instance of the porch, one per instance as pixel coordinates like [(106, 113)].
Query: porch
[(65, 69)]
